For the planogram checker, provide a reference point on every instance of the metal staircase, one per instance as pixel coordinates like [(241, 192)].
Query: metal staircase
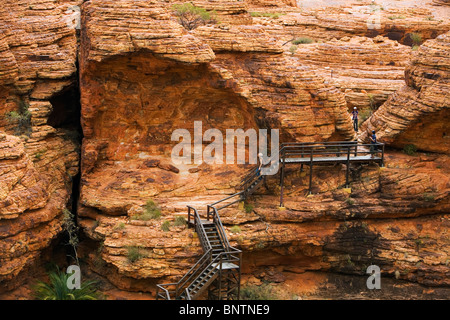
[(219, 269)]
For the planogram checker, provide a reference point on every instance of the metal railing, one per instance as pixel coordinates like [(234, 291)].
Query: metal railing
[(200, 268), (335, 151)]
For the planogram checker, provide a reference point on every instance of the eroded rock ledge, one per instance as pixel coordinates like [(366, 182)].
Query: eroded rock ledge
[(418, 114)]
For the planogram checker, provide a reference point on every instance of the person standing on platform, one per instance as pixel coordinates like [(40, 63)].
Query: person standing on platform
[(355, 119), (373, 143)]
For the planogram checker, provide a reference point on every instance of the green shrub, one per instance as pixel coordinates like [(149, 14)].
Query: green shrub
[(151, 211), (119, 226), (235, 229), (21, 119), (350, 201), (292, 49), (57, 289), (191, 17), (302, 40), (248, 207), (262, 292), (165, 226), (429, 197), (135, 253), (410, 149), (266, 14), (396, 17), (179, 221), (416, 38)]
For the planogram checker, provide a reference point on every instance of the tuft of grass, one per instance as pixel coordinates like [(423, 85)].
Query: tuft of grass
[(135, 253), (165, 226), (350, 201), (57, 289), (275, 15), (292, 49), (429, 197), (410, 149), (396, 17), (179, 221), (119, 226), (235, 229), (38, 155), (152, 211), (21, 119), (416, 38), (302, 40), (262, 292), (248, 207)]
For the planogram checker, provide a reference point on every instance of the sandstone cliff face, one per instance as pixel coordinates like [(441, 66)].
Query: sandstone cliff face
[(141, 76), (321, 20), (132, 103), (366, 70), (418, 114), (135, 92), (37, 61)]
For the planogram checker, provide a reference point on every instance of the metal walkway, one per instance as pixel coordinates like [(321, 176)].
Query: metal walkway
[(219, 269), (327, 153)]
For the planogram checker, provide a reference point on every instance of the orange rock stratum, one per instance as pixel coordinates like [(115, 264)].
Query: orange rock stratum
[(91, 92)]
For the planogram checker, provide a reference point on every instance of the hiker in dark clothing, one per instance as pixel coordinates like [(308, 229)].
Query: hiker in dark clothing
[(355, 119), (258, 171), (373, 142)]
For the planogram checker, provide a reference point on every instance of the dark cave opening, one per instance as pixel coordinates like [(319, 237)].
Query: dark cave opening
[(66, 112), (66, 117)]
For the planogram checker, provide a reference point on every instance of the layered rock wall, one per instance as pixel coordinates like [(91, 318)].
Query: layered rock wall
[(38, 50), (418, 114)]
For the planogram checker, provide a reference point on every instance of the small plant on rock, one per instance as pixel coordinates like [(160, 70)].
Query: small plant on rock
[(416, 38), (292, 49), (235, 229), (262, 292), (71, 229), (248, 207), (350, 201), (410, 149), (165, 226), (179, 221), (151, 211), (119, 226), (57, 289), (191, 17), (21, 119), (302, 40), (135, 253)]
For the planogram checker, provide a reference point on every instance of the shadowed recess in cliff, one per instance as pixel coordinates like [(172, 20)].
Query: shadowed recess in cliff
[(135, 102), (352, 248)]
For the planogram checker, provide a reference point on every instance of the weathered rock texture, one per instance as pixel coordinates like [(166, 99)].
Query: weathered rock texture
[(37, 61), (143, 76), (320, 21), (367, 70), (419, 113)]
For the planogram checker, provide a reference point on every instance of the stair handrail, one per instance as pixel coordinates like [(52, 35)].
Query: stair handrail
[(218, 261), (287, 149), (166, 292), (199, 265), (211, 210), (204, 241), (193, 273)]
